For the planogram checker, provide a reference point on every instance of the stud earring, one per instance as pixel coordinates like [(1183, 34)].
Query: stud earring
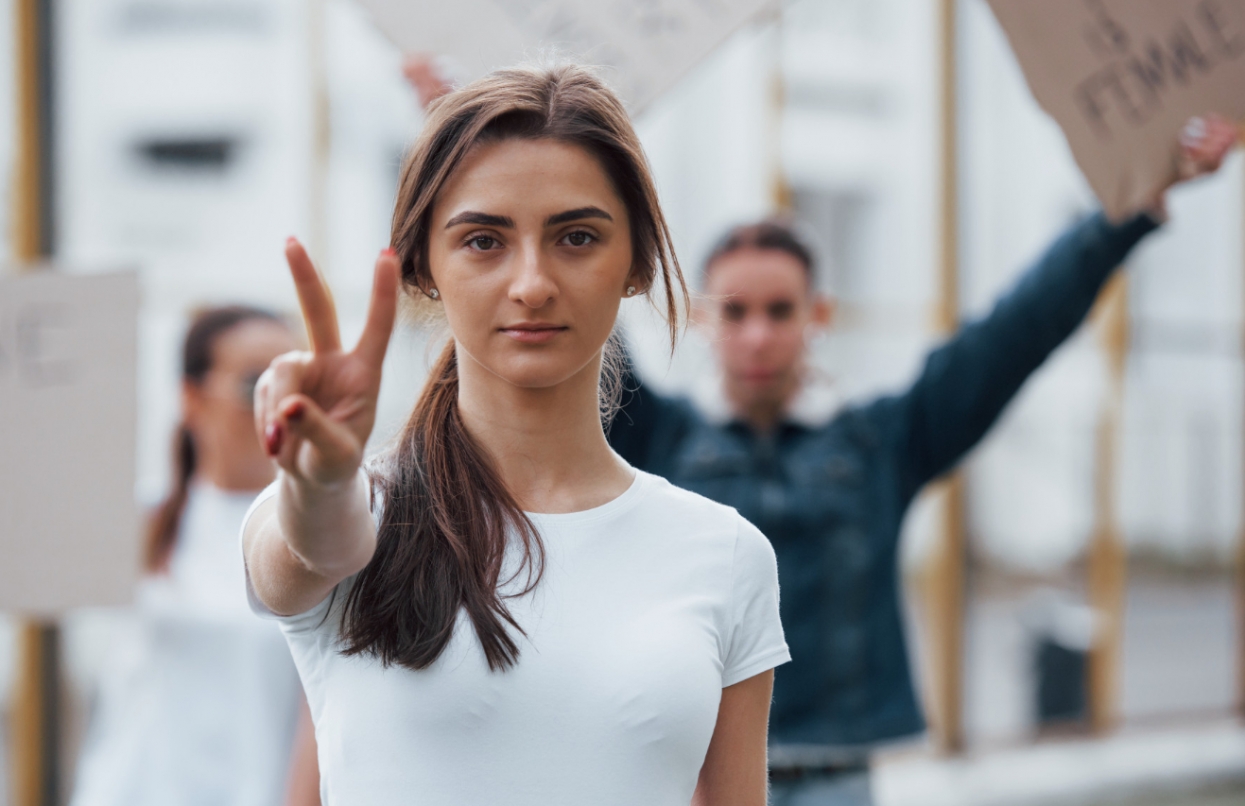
[(435, 294), (631, 291)]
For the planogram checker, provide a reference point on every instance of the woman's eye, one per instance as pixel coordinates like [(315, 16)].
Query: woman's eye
[(482, 243), (579, 238)]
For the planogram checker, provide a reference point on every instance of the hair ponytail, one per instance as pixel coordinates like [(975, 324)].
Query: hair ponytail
[(449, 529), (166, 519), (442, 541)]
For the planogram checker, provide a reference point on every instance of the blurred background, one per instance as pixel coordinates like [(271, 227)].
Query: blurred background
[(1097, 652)]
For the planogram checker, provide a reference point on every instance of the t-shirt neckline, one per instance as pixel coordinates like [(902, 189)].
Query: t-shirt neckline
[(623, 501)]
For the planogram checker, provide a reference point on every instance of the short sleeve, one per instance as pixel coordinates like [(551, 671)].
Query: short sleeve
[(257, 607), (756, 642)]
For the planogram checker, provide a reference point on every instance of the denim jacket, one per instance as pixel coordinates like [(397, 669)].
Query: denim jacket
[(832, 498)]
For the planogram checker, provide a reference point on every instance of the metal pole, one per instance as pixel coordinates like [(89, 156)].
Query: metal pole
[(35, 718)]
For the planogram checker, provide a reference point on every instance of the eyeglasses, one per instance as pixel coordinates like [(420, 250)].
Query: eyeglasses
[(246, 388), (241, 388)]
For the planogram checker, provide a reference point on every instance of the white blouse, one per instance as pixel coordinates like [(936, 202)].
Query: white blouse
[(199, 700)]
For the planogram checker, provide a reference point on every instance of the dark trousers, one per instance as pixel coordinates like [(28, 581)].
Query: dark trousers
[(821, 788)]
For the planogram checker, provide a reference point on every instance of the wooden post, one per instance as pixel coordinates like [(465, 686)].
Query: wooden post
[(1107, 570), (1240, 548), (946, 585), (321, 127), (35, 717), (32, 186), (781, 198), (1240, 626)]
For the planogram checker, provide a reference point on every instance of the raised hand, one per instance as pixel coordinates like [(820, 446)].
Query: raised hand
[(315, 410), (426, 77), (1204, 142)]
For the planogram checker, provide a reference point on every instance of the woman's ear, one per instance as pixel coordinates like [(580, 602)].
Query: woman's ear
[(823, 310), (633, 286), (192, 404)]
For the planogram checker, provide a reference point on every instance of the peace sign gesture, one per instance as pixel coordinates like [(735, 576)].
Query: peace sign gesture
[(315, 410)]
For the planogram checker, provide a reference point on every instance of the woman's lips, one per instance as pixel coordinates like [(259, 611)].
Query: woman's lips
[(533, 334)]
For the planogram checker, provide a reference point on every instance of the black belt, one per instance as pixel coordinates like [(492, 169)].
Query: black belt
[(799, 773)]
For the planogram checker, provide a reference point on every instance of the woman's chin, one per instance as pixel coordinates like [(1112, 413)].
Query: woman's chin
[(534, 374)]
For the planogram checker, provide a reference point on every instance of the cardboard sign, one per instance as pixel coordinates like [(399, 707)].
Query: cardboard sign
[(1122, 77), (644, 46), (69, 527)]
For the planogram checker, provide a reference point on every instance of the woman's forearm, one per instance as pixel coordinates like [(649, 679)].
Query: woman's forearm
[(301, 542), (329, 528)]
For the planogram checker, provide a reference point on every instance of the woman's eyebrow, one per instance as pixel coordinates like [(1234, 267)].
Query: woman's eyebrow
[(577, 214), (480, 219)]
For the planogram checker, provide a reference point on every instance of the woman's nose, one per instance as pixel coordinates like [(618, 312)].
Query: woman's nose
[(532, 284)]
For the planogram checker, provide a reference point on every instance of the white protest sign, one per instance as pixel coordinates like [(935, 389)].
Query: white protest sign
[(1122, 77), (644, 45), (69, 528)]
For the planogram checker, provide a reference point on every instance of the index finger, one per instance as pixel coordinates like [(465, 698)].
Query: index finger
[(319, 313), (381, 311)]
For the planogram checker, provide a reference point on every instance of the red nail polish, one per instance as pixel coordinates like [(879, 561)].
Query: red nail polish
[(273, 436), (295, 411)]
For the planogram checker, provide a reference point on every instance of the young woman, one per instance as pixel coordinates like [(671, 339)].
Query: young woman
[(201, 704), (501, 610)]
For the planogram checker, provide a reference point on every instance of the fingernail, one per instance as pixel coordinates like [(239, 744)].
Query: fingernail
[(273, 436), (388, 252), (290, 241), (295, 411), (1193, 131)]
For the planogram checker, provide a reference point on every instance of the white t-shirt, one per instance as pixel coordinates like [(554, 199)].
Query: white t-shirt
[(649, 606), (198, 701)]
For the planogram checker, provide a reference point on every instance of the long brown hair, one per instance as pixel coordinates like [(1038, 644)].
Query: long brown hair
[(198, 358), (446, 512)]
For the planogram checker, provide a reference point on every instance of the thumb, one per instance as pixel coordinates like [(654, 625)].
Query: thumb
[(336, 452)]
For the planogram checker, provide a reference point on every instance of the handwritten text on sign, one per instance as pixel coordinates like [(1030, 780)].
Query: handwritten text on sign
[(1123, 76), (645, 45), (1138, 75)]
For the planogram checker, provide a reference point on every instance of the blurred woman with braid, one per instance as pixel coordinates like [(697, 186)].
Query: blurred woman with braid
[(199, 703)]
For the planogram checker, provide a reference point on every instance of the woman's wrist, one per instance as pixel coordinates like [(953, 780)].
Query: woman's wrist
[(307, 488), (328, 527)]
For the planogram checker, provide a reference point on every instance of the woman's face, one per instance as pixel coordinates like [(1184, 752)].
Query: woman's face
[(219, 410), (530, 250)]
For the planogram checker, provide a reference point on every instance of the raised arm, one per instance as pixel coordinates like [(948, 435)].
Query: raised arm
[(967, 382), (314, 412)]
